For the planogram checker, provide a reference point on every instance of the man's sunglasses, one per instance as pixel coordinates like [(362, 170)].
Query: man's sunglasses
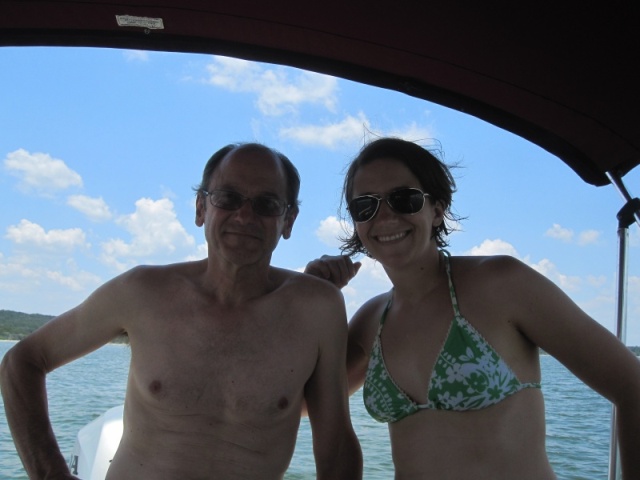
[(263, 205), (406, 201)]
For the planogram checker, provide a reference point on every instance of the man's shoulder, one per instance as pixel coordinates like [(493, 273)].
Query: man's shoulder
[(145, 275), (312, 293)]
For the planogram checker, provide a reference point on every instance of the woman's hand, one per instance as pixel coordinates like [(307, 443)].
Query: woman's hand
[(337, 269)]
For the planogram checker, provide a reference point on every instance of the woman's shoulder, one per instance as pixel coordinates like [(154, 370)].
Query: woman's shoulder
[(365, 322), (371, 310), (489, 265), (375, 303), (493, 273)]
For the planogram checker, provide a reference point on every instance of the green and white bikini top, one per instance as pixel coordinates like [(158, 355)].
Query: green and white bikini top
[(468, 374)]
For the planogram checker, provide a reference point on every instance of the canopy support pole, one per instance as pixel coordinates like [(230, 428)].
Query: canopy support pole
[(629, 213)]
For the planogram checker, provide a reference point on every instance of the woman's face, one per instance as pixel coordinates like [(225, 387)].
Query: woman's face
[(394, 238)]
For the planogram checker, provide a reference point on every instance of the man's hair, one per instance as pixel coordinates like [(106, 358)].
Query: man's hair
[(291, 172), (434, 177)]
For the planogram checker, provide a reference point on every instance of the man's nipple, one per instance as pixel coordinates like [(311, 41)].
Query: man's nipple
[(155, 387), (283, 403)]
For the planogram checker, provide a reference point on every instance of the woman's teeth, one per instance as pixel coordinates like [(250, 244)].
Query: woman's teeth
[(390, 238)]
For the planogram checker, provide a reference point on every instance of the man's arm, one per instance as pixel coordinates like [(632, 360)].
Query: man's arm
[(22, 380), (336, 448), (25, 401)]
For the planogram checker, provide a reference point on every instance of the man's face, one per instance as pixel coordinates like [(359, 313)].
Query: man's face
[(243, 236)]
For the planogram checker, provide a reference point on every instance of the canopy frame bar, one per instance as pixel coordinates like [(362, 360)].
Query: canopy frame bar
[(629, 213)]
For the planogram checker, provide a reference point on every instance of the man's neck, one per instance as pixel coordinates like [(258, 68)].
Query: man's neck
[(232, 284)]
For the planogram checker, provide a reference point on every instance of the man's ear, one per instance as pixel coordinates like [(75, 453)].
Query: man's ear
[(288, 224), (201, 209)]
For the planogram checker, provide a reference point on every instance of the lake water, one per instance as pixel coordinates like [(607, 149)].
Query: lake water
[(578, 420)]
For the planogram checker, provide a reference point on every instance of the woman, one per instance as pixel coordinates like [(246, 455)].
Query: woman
[(450, 356)]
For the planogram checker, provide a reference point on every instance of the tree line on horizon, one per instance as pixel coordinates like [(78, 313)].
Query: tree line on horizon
[(17, 325)]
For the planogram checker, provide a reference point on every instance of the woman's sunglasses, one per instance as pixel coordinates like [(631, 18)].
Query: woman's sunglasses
[(406, 201)]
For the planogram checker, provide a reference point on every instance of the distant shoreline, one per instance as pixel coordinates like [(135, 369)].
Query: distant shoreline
[(16, 325), (634, 349)]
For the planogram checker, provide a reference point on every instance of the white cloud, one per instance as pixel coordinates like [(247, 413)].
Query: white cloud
[(588, 237), (35, 284), (329, 230), (494, 247), (12, 268), (548, 269), (77, 282), (597, 281), (202, 250), (29, 233), (232, 73), (277, 93), (560, 233), (95, 209), (352, 131), (41, 173), (136, 55), (412, 133), (154, 228), (346, 132), (544, 266)]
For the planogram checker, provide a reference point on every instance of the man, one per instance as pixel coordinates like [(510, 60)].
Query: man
[(224, 351)]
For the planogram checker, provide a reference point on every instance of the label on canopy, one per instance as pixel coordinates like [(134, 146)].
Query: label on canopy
[(144, 22)]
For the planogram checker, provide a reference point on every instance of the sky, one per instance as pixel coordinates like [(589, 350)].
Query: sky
[(100, 149)]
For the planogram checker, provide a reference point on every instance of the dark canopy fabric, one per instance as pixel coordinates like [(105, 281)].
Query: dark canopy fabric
[(560, 74)]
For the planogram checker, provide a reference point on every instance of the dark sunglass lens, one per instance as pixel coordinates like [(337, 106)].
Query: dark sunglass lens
[(408, 201), (268, 206), (363, 208), (227, 200)]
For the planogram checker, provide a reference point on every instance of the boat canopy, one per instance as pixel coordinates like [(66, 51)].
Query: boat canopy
[(562, 75)]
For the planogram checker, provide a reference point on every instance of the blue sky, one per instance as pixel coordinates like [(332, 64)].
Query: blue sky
[(99, 150)]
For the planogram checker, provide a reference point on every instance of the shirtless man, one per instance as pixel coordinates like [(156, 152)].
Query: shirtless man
[(224, 351)]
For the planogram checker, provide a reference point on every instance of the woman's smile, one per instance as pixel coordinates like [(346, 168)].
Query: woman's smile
[(392, 237)]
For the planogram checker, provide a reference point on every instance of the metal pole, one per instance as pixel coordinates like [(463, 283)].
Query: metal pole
[(621, 332), (626, 216)]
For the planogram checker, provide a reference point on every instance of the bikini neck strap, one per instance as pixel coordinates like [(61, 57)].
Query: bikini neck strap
[(452, 291)]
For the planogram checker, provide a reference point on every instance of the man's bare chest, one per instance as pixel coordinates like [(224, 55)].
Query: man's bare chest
[(225, 366)]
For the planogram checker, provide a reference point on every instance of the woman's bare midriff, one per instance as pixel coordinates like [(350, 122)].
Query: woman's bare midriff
[(505, 441)]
